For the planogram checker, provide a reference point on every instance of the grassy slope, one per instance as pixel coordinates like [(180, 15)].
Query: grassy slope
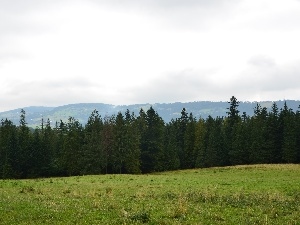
[(262, 194)]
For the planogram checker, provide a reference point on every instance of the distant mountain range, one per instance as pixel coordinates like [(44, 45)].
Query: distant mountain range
[(167, 111)]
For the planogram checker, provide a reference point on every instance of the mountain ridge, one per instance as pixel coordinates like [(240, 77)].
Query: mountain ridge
[(168, 111)]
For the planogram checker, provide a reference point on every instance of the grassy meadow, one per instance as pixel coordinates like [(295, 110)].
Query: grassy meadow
[(258, 194)]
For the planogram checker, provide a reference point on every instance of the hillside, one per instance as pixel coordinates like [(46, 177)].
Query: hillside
[(257, 194), (167, 111)]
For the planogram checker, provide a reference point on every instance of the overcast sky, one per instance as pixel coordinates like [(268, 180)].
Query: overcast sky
[(56, 52)]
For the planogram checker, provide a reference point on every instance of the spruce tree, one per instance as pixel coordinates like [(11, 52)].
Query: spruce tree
[(274, 135), (240, 142), (171, 157), (119, 151), (72, 151), (59, 136), (229, 130), (48, 150), (94, 157), (216, 154), (189, 156), (259, 151), (152, 146), (289, 145), (132, 144), (23, 151), (36, 155), (201, 143), (107, 144), (8, 145), (182, 126), (233, 112)]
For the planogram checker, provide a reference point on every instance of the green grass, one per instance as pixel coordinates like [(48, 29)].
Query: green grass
[(260, 194)]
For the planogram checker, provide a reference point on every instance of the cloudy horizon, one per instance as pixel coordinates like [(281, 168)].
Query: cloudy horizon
[(152, 51)]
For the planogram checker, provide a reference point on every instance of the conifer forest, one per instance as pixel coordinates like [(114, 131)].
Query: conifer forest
[(144, 143)]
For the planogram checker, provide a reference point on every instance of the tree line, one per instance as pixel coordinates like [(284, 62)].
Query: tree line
[(144, 143)]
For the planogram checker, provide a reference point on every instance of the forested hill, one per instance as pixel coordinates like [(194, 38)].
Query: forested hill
[(167, 111), (145, 143)]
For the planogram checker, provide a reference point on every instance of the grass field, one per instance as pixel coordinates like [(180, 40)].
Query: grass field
[(259, 194)]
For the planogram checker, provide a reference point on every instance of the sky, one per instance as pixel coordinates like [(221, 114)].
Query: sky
[(57, 52)]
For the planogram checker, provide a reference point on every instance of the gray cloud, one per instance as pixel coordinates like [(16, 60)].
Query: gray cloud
[(263, 78), (10, 55), (17, 16), (20, 7), (49, 92), (21, 19), (189, 14), (18, 20), (186, 85), (169, 4), (264, 75), (281, 20), (262, 61)]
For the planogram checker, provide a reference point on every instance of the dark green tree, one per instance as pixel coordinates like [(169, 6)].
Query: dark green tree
[(274, 135), (36, 155), (259, 151), (171, 150), (239, 152), (216, 155), (132, 144), (59, 135), (94, 157), (73, 152), (230, 127), (152, 146), (8, 145), (189, 155), (119, 151), (201, 143), (233, 112), (107, 136), (23, 151), (182, 126), (289, 145)]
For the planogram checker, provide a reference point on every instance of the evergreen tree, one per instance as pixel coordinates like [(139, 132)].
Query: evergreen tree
[(259, 151), (142, 126), (201, 143), (8, 142), (152, 146), (94, 157), (171, 157), (233, 113), (239, 151), (41, 152), (289, 146), (72, 152), (48, 150), (23, 151), (230, 127), (216, 155), (132, 144), (274, 135), (119, 151), (189, 156), (182, 122), (59, 136), (107, 136), (36, 155)]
